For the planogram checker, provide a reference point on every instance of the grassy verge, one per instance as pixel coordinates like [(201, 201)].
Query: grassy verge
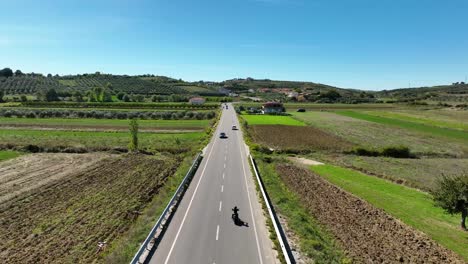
[(314, 241), (6, 154), (411, 206), (271, 120), (451, 133)]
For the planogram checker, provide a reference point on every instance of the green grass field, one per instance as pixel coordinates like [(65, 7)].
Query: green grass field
[(7, 154), (271, 120), (377, 135), (445, 132), (100, 140), (413, 207), (173, 124), (417, 173), (427, 118)]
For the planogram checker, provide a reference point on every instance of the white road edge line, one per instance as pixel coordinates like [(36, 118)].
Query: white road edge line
[(250, 203), (220, 205), (191, 200), (217, 233)]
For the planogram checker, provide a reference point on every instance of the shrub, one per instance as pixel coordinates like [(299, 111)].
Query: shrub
[(365, 152), (397, 152), (401, 152)]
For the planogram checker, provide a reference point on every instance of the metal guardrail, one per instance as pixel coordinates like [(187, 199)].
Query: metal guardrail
[(287, 254), (146, 247)]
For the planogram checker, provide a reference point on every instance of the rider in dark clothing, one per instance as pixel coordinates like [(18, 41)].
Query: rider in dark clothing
[(235, 210)]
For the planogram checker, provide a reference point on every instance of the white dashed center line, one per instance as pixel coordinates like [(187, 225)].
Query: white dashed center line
[(217, 233), (220, 205), (222, 188)]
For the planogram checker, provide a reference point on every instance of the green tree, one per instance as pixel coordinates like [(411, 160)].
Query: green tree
[(133, 146), (126, 98), (1, 96), (106, 96), (6, 72), (23, 98), (451, 193), (332, 95), (120, 96), (51, 95), (19, 73)]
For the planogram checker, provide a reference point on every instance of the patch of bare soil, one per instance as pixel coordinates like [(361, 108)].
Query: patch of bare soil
[(305, 161), (66, 220), (28, 172), (305, 138), (368, 234)]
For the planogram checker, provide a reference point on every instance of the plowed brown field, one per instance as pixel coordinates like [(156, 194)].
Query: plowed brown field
[(62, 220), (368, 234), (296, 138)]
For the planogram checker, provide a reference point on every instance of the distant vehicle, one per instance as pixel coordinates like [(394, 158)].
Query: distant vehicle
[(222, 135), (301, 110), (234, 128)]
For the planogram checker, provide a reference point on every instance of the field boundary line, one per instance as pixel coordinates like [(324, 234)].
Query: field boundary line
[(147, 245), (286, 250)]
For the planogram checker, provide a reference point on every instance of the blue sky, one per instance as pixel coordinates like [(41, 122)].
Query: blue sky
[(364, 44)]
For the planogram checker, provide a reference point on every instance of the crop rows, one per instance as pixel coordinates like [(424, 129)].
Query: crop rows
[(102, 114), (64, 221), (126, 84), (368, 234)]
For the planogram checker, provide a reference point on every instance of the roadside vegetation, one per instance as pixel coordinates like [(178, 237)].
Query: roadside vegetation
[(376, 154), (308, 236)]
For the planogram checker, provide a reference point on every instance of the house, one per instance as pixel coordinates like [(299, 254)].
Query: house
[(272, 107), (197, 100)]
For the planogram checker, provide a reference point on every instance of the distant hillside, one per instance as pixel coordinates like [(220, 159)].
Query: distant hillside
[(18, 83), (297, 91), (145, 84), (457, 92)]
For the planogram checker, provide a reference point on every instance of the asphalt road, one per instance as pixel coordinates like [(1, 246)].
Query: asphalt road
[(202, 230)]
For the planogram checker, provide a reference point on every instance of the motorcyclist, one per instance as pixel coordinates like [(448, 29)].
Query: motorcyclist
[(235, 210)]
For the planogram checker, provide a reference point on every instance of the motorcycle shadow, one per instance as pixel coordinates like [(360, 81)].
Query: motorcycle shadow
[(239, 222)]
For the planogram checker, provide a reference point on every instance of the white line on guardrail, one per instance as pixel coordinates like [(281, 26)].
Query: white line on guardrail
[(272, 216), (144, 247)]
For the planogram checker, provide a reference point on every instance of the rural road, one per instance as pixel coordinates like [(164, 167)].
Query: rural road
[(202, 230)]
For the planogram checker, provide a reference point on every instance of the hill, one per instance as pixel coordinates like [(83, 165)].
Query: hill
[(144, 84), (455, 93)]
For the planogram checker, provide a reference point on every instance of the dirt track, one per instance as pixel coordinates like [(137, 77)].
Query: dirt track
[(367, 234)]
